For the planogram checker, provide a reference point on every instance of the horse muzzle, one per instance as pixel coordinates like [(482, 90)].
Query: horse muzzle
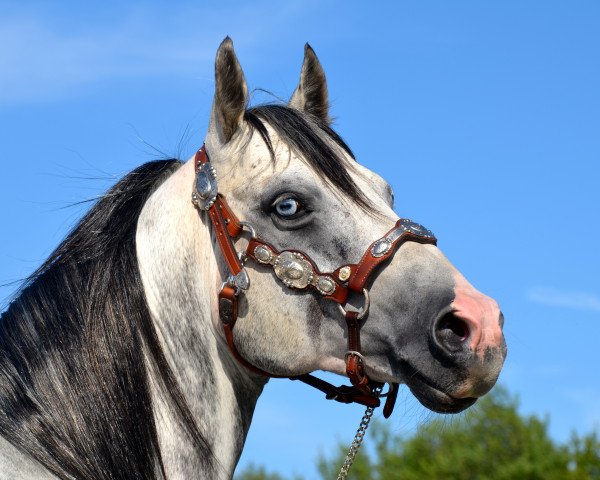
[(469, 336)]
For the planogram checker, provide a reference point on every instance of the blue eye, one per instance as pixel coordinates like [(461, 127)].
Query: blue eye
[(287, 207)]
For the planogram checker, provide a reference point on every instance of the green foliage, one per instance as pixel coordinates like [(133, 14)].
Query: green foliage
[(584, 457), (491, 441)]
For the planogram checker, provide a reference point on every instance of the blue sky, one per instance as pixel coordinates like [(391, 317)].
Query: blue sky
[(484, 117)]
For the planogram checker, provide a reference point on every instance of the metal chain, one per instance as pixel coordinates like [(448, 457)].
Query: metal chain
[(358, 439)]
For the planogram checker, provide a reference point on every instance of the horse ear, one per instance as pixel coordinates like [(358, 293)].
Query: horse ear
[(311, 94), (231, 92)]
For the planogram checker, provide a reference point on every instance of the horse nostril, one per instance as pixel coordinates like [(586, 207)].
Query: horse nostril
[(451, 332), (454, 325)]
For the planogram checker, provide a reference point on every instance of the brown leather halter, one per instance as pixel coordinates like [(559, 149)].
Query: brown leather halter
[(296, 270)]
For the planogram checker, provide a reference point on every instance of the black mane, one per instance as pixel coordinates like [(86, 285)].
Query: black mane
[(74, 387), (74, 384)]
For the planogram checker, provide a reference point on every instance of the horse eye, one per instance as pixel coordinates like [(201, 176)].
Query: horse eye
[(287, 207)]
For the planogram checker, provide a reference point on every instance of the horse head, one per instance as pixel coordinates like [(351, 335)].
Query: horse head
[(119, 356), (285, 171)]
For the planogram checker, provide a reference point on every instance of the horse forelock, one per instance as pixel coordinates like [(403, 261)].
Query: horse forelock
[(74, 384), (314, 141)]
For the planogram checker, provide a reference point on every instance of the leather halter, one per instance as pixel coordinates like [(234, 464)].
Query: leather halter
[(296, 270)]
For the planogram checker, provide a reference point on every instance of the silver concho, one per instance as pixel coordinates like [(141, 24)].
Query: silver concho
[(325, 285), (205, 187), (381, 247), (263, 254), (293, 269)]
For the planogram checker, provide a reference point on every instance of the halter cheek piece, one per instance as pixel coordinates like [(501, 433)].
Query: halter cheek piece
[(296, 270)]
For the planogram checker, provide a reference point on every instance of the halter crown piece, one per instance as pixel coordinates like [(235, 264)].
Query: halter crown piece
[(296, 270)]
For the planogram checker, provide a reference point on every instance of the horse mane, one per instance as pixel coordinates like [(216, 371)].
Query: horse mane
[(74, 347), (78, 342)]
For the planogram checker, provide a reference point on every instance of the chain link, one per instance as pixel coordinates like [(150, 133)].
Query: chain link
[(358, 439)]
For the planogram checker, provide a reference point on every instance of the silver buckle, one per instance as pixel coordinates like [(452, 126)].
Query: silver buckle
[(240, 282)]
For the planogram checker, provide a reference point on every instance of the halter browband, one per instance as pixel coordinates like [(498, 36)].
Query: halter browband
[(296, 270)]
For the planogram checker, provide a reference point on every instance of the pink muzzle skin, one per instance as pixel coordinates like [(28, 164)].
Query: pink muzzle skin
[(481, 314), (484, 322)]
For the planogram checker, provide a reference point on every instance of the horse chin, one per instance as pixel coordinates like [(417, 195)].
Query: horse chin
[(433, 397)]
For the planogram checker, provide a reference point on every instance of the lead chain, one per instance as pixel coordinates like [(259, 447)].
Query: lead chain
[(358, 439)]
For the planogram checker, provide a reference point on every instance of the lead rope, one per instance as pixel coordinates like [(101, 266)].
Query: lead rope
[(358, 439)]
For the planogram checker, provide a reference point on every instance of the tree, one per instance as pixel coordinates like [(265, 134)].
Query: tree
[(584, 453), (491, 441)]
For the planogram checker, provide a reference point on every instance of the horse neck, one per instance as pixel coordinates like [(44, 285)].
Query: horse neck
[(180, 276)]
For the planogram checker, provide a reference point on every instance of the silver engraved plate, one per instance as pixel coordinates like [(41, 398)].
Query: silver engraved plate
[(241, 280), (395, 234), (293, 270), (416, 228), (205, 187)]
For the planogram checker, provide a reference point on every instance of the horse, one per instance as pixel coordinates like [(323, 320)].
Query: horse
[(140, 347)]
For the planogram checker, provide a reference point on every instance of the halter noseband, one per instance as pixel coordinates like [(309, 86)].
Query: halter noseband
[(298, 271)]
